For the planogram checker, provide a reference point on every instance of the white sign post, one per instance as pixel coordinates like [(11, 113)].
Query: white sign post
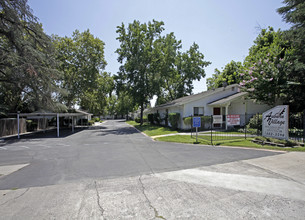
[(275, 122)]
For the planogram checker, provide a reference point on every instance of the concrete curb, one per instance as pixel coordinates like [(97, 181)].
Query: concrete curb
[(140, 131)]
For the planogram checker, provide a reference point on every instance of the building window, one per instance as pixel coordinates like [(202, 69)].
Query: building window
[(198, 111)]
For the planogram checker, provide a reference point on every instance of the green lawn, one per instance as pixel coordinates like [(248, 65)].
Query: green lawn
[(227, 132), (152, 130), (240, 142), (155, 130)]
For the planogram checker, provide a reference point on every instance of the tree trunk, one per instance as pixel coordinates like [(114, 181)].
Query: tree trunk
[(141, 116)]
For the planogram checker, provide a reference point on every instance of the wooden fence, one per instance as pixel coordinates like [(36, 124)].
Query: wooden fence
[(9, 126)]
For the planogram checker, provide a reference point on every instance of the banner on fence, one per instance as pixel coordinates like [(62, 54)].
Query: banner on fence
[(217, 119), (233, 120), (275, 122)]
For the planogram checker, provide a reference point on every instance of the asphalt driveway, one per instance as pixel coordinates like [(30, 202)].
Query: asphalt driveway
[(111, 150), (114, 172)]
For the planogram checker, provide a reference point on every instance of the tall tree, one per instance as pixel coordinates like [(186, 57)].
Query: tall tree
[(82, 62), (294, 13), (125, 104), (28, 74), (229, 75), (268, 67), (96, 99), (136, 56), (178, 69)]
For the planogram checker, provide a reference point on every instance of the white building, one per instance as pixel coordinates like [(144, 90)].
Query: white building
[(227, 100)]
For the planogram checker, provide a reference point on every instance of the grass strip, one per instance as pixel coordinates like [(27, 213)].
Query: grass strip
[(152, 130), (234, 143)]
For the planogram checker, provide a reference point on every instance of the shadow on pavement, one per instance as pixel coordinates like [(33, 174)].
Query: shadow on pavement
[(118, 131), (63, 133)]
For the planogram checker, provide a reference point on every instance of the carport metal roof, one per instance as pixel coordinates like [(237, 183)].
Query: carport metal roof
[(52, 114), (57, 115)]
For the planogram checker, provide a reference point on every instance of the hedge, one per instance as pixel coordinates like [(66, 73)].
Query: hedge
[(173, 119), (204, 120), (150, 118), (187, 120), (138, 120), (157, 118)]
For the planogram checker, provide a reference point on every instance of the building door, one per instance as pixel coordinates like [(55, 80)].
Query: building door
[(216, 111)]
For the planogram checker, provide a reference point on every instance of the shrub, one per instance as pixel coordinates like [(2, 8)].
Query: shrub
[(255, 122), (156, 118), (150, 118), (145, 119), (173, 119), (96, 119), (31, 125), (187, 120), (91, 122), (206, 120), (286, 143), (138, 120)]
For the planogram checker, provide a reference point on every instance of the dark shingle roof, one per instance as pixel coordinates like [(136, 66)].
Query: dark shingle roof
[(228, 98), (186, 99)]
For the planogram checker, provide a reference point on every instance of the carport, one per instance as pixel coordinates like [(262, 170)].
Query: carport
[(57, 115)]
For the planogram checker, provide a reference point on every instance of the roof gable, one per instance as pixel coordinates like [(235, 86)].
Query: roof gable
[(190, 98)]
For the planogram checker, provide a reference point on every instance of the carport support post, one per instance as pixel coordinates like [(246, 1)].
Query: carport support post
[(72, 124), (18, 125), (57, 125), (304, 126)]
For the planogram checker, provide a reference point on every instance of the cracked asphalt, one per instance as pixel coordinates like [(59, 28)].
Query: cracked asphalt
[(114, 172)]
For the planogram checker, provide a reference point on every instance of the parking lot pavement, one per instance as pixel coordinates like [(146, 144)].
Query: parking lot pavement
[(111, 150), (270, 187)]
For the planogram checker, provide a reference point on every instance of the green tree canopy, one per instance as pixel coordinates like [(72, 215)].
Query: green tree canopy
[(82, 61), (96, 99), (267, 67), (153, 64), (294, 13), (28, 74), (136, 54), (178, 69), (276, 62), (228, 76)]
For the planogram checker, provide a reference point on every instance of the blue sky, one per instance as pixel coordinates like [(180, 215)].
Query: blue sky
[(223, 29)]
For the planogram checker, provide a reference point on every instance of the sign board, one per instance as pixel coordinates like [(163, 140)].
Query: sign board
[(275, 122), (217, 119), (196, 122), (233, 120)]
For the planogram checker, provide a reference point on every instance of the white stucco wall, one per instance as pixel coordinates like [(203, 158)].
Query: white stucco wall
[(249, 107), (239, 106), (208, 110), (174, 109)]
